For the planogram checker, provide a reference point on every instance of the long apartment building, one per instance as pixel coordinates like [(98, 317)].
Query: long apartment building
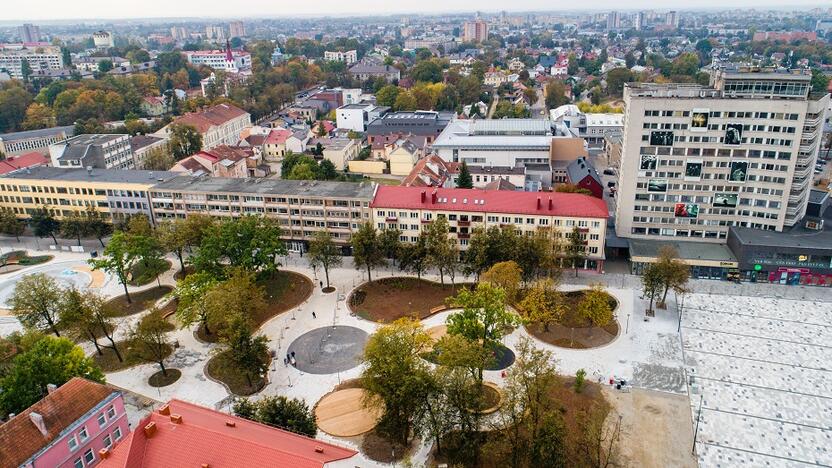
[(40, 56), (410, 209), (697, 160), (302, 208), (66, 192)]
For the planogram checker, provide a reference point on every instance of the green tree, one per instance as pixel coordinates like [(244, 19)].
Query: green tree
[(387, 95), (97, 224), (184, 140), (324, 253), (464, 179), (441, 248), (572, 188), (74, 226), (367, 250), (249, 242), (391, 244), (651, 283), (192, 292), (35, 301), (483, 318), (171, 237), (238, 296), (405, 101), (556, 95), (396, 378), (249, 353), (414, 256), (148, 339), (105, 65), (9, 224), (25, 70), (49, 361), (616, 78), (44, 224), (279, 411), (686, 64), (118, 259), (674, 273), (820, 82), (575, 249), (595, 306), (506, 276), (158, 159), (88, 316)]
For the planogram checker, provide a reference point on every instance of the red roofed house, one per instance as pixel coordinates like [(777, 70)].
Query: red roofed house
[(218, 125), (222, 161), (14, 163), (66, 429), (274, 147), (182, 434), (409, 209), (432, 171)]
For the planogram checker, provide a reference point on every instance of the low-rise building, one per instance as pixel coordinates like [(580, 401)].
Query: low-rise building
[(66, 192), (582, 174), (218, 125), (339, 151), (23, 161), (33, 140), (98, 150), (274, 146), (364, 72), (142, 145), (410, 209), (356, 116), (220, 161), (432, 171), (302, 208), (226, 60), (69, 427), (592, 127), (481, 176), (349, 57), (427, 124), (185, 434)]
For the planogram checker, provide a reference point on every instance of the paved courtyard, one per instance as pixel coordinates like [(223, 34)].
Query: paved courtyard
[(763, 368)]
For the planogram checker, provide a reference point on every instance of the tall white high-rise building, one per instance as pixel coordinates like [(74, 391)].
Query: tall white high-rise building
[(699, 159), (638, 21), (236, 29), (613, 20), (29, 33)]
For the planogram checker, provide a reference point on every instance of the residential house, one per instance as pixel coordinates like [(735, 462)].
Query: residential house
[(218, 125), (482, 176), (339, 150), (274, 146), (142, 145), (495, 78), (154, 106), (98, 150), (184, 434), (403, 157), (432, 171), (69, 427), (220, 161), (297, 141), (582, 174), (364, 72)]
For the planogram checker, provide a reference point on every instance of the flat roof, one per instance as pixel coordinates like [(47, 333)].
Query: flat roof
[(517, 170), (817, 196), (94, 138), (310, 188), (69, 130), (686, 250), (797, 237), (95, 175), (511, 125)]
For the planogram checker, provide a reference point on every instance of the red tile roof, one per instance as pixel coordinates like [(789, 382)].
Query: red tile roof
[(211, 117), (20, 438), (205, 437), (490, 201), (13, 163), (278, 136)]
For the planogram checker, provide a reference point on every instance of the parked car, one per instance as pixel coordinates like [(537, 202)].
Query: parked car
[(609, 171), (611, 184)]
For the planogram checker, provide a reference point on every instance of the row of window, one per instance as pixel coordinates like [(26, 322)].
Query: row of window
[(257, 199), (730, 115), (714, 139), (720, 152), (747, 128)]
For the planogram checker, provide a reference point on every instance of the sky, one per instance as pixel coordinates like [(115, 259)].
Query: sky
[(120, 9)]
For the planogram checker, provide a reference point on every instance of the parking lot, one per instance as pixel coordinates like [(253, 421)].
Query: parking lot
[(762, 370)]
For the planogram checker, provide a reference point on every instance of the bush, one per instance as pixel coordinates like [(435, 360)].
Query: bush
[(580, 380)]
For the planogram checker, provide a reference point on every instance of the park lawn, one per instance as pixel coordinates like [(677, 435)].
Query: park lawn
[(222, 368), (17, 259), (142, 300), (388, 299), (108, 362), (285, 291), (141, 274)]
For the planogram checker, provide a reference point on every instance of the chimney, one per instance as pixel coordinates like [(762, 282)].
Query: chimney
[(51, 388), (319, 449), (433, 197), (38, 421), (230, 424), (424, 196), (150, 429), (550, 204), (538, 203), (165, 410), (176, 418), (104, 453)]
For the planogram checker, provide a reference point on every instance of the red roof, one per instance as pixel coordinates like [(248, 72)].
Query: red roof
[(213, 116), (205, 437), (278, 136), (490, 201), (13, 163)]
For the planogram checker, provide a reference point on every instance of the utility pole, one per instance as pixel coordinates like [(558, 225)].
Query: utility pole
[(696, 430)]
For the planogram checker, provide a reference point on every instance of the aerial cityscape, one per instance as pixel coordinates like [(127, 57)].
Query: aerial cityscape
[(437, 235)]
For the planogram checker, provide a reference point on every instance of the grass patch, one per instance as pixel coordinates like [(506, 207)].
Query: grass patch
[(388, 299), (222, 368), (143, 273), (108, 361), (285, 291), (141, 300), (161, 380), (19, 258)]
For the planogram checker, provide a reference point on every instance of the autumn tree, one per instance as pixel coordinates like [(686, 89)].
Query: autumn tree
[(184, 140), (252, 243), (674, 272), (651, 283), (249, 353), (441, 249), (575, 249), (97, 224), (367, 250), (414, 256), (595, 306), (158, 159), (279, 411), (44, 224), (192, 292), (543, 303), (172, 238), (324, 253), (504, 275), (117, 260), (10, 225), (238, 296), (36, 302)]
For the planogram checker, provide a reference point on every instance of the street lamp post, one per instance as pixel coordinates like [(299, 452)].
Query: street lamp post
[(696, 430)]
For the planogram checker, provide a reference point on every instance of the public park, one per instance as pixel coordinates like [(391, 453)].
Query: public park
[(483, 368)]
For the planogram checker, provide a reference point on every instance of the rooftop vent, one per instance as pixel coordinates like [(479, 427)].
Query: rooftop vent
[(230, 424), (150, 429), (176, 418), (165, 410), (104, 453), (38, 421)]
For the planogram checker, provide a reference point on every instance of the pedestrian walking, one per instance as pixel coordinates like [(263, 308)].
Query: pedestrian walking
[(293, 355), (285, 362), (322, 284), (313, 314)]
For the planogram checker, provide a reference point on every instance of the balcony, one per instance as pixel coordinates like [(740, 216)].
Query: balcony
[(462, 223), (463, 235), (392, 219), (425, 221)]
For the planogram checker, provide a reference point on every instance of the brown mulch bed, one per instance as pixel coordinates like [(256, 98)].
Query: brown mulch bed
[(109, 361), (141, 300), (377, 447), (284, 292), (220, 367), (573, 331), (161, 380), (388, 299)]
